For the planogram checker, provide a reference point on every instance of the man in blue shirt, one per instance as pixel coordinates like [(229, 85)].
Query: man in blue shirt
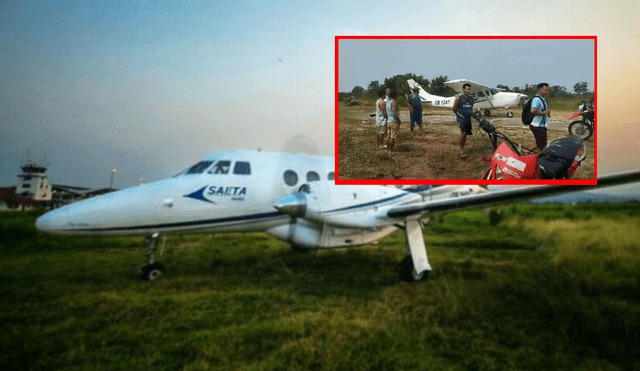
[(415, 108), (540, 122), (463, 108)]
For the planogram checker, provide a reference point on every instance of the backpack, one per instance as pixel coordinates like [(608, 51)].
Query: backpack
[(527, 116)]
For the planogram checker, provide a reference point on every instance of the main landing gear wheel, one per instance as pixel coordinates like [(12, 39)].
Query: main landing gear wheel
[(408, 272), (487, 112), (509, 114), (151, 272)]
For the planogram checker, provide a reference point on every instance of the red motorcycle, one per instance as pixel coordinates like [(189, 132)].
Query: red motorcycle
[(559, 160), (583, 127)]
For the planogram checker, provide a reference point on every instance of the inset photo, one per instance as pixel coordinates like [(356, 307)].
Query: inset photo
[(462, 110)]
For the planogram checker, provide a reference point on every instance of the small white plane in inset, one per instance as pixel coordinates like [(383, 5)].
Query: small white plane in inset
[(484, 97), (292, 197)]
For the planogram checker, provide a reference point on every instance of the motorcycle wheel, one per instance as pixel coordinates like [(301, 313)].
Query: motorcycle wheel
[(580, 129)]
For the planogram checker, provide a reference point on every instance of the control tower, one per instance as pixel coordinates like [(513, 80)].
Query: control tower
[(32, 183)]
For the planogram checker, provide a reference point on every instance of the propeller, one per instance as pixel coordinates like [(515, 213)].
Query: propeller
[(295, 204)]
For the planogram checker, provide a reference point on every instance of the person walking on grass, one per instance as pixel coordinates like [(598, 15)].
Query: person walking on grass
[(415, 109), (393, 115), (463, 108), (381, 118), (541, 113)]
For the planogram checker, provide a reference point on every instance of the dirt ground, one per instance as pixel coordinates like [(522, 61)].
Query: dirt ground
[(433, 155)]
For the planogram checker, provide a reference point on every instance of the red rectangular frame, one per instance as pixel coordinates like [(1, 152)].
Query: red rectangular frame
[(463, 181)]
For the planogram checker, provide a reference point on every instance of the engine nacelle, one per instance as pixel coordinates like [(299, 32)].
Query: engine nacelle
[(314, 235), (345, 206)]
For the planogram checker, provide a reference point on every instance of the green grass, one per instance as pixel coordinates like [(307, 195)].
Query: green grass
[(549, 287), (564, 103)]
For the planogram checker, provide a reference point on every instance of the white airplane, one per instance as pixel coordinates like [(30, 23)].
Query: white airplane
[(292, 197), (484, 97)]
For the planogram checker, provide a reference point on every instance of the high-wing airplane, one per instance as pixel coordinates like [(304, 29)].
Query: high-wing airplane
[(485, 98), (292, 197)]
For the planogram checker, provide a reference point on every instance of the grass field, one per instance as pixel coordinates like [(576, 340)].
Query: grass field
[(550, 287)]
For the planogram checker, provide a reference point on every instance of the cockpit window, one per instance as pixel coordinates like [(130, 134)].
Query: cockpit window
[(221, 167), (312, 176), (290, 177), (305, 188), (242, 168), (331, 176), (199, 168)]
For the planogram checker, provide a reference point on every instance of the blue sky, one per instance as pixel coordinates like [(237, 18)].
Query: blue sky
[(511, 62), (150, 87)]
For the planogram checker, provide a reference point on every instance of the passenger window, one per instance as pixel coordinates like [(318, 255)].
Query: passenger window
[(243, 168), (221, 167), (290, 178), (200, 167), (312, 176), (331, 176)]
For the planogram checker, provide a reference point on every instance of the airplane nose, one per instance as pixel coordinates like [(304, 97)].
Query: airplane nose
[(48, 222), (294, 204)]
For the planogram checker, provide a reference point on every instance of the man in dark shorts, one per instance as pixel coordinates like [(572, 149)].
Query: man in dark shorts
[(463, 108), (541, 113), (415, 109)]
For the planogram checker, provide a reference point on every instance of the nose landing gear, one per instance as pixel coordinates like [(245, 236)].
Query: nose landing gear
[(152, 270)]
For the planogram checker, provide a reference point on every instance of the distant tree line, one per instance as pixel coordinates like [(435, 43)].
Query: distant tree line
[(436, 86)]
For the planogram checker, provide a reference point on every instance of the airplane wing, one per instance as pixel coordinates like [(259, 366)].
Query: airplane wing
[(411, 214), (345, 207), (384, 207), (509, 195), (475, 87)]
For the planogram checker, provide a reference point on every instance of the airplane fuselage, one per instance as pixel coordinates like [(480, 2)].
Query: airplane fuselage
[(499, 100), (229, 191), (236, 191), (485, 98)]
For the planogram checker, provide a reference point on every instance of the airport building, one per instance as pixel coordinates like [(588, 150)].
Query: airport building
[(33, 184), (34, 190)]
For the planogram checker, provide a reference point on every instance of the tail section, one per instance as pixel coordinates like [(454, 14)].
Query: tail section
[(429, 99), (425, 97)]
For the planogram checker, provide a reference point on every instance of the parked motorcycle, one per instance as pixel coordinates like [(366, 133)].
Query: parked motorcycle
[(559, 160), (583, 127)]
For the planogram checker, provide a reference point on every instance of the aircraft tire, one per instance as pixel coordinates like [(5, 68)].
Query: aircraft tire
[(152, 272), (408, 273), (509, 114), (487, 112)]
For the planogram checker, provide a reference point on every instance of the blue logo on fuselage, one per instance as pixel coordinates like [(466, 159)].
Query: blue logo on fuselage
[(203, 194)]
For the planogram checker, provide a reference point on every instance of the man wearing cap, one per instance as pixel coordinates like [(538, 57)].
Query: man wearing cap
[(415, 108), (540, 122)]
